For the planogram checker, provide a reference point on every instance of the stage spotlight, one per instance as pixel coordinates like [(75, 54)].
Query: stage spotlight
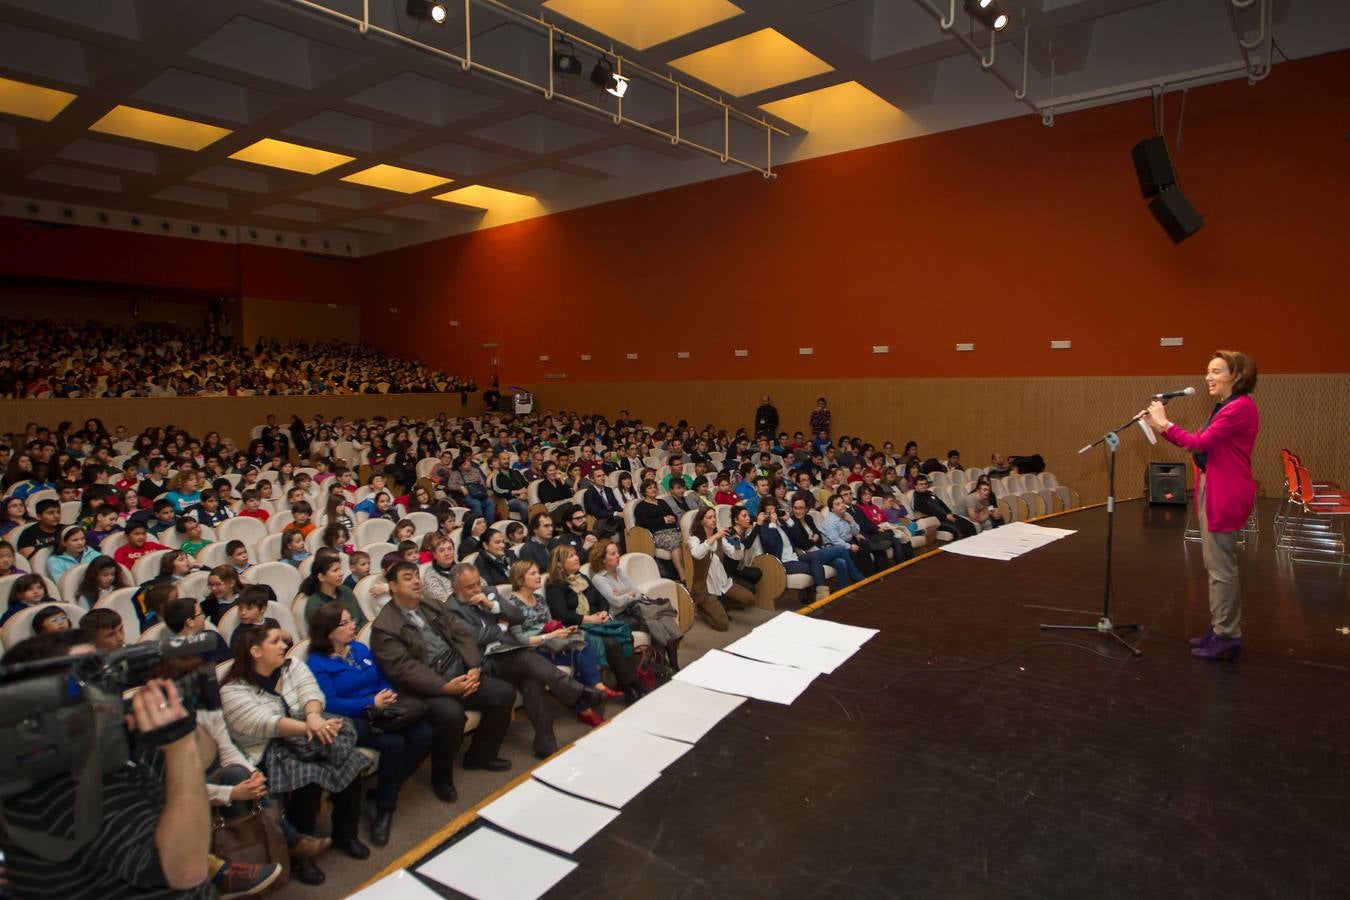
[(989, 13), (429, 10), (565, 60), (603, 76)]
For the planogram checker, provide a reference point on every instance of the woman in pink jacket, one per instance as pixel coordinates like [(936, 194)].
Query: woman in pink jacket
[(1226, 490)]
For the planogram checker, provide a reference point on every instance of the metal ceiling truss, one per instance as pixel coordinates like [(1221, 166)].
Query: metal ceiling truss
[(622, 67), (1256, 67)]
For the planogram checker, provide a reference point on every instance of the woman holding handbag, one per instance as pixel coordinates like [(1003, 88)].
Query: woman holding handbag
[(353, 686), (573, 601), (657, 615), (274, 710), (561, 645)]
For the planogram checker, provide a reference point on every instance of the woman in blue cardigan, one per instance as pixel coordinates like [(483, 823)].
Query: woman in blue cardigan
[(353, 686)]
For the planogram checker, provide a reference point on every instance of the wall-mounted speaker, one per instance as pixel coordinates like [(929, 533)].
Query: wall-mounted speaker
[(1153, 166), (1175, 214), (1166, 484)]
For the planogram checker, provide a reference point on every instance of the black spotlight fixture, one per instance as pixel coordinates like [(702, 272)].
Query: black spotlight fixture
[(565, 60), (428, 10), (603, 76), (989, 13)]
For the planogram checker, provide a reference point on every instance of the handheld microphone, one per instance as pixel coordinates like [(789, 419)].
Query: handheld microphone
[(1168, 395)]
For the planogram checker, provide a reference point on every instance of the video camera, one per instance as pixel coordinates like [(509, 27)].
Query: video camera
[(66, 716)]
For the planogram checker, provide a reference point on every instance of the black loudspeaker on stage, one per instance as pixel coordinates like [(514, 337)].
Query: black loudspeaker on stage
[(1158, 184), (1166, 484)]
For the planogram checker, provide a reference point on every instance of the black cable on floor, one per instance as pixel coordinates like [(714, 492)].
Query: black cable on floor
[(980, 667)]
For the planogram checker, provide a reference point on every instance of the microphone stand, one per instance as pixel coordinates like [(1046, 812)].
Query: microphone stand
[(1104, 625)]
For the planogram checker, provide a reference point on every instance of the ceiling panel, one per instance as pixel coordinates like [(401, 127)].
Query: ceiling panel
[(536, 133), (113, 156), (421, 98)]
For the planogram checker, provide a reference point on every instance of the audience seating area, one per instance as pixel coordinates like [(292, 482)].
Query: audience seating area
[(258, 489), (41, 359)]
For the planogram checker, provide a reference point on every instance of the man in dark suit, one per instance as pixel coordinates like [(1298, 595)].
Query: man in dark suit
[(429, 654), (766, 418), (603, 505), (926, 503), (506, 658)]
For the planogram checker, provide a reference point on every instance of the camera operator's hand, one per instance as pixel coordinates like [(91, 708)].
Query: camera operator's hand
[(252, 788), (156, 706)]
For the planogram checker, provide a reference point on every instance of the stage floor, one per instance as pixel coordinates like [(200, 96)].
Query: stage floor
[(1061, 773)]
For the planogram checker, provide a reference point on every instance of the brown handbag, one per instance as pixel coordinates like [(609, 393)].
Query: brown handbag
[(255, 837)]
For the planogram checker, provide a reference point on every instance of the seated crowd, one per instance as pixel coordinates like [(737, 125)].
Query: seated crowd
[(43, 358), (499, 574)]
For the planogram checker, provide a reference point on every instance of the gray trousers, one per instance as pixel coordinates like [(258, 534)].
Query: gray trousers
[(1225, 590)]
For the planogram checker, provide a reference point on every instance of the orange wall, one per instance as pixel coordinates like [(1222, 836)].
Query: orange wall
[(175, 264), (1008, 234)]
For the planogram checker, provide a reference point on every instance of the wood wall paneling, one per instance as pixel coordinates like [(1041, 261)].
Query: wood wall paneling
[(1051, 416), (293, 320)]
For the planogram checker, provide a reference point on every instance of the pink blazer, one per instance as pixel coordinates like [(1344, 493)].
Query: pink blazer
[(1230, 490)]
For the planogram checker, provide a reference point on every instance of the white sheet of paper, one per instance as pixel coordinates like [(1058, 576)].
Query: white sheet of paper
[(730, 674), (1007, 542), (595, 777), (773, 648), (618, 741), (400, 885), (535, 811), (489, 865), (680, 711), (818, 632)]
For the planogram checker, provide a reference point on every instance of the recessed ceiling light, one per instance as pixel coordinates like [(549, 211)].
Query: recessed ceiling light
[(293, 157), (752, 63), (645, 23), (394, 178), (157, 128), (18, 98), (483, 197)]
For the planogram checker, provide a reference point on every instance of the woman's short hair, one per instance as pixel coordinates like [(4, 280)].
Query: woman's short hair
[(321, 626), (519, 570), (1242, 367), (597, 555)]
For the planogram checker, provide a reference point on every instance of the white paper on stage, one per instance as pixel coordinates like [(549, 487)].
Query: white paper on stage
[(489, 865), (619, 742), (730, 674), (535, 811), (774, 648), (400, 885), (817, 632), (1008, 542), (680, 711), (594, 777)]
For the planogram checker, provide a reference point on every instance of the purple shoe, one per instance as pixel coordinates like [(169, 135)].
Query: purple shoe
[(1219, 647), (1203, 639)]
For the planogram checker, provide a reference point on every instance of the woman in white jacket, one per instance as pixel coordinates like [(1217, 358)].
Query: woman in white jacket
[(274, 710)]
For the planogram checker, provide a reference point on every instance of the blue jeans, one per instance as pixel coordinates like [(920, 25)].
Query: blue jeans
[(483, 506), (582, 662), (401, 752), (843, 563), (518, 506)]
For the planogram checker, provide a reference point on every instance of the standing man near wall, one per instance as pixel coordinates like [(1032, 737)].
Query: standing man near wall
[(766, 418)]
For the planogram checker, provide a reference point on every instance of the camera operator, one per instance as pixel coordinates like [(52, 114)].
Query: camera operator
[(155, 831)]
